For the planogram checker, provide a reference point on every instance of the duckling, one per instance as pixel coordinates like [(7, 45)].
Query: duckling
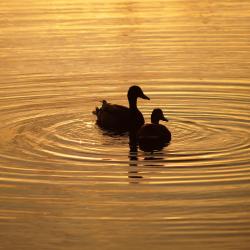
[(119, 118), (154, 136)]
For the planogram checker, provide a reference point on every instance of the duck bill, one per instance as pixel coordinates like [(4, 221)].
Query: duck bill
[(164, 119), (145, 97)]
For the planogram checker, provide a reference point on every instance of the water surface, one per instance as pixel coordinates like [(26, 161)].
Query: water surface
[(66, 184)]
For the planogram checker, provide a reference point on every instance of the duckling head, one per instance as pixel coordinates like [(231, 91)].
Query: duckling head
[(158, 115)]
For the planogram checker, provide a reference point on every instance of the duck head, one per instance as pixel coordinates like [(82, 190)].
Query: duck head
[(158, 115), (135, 92)]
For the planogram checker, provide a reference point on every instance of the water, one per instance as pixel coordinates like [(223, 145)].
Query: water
[(66, 184)]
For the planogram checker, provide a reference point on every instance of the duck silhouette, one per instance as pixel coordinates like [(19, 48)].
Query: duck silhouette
[(154, 136), (119, 118)]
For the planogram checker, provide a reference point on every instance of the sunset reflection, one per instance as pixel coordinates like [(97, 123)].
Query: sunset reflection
[(67, 183)]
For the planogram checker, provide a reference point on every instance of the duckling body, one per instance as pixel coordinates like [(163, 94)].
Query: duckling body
[(154, 136), (120, 118)]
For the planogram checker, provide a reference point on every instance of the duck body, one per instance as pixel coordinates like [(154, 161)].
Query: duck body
[(119, 118), (154, 136)]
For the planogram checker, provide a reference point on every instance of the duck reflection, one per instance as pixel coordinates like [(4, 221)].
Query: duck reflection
[(154, 160), (153, 157), (133, 173)]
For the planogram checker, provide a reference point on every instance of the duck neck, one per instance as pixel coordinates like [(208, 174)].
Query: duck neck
[(132, 103), (154, 120)]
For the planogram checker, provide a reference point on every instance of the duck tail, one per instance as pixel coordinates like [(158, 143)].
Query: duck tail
[(104, 102), (96, 111)]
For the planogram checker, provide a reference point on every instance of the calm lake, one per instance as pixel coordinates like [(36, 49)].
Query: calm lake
[(67, 184)]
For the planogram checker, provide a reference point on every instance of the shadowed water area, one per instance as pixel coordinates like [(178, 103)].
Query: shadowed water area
[(67, 184)]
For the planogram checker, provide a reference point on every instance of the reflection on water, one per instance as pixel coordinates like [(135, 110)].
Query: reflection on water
[(151, 157), (133, 173), (67, 184)]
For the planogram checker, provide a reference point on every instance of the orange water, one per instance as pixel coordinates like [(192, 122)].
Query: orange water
[(65, 184)]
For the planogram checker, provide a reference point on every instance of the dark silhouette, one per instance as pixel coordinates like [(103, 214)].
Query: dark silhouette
[(152, 157), (154, 136), (133, 140), (133, 173), (120, 118)]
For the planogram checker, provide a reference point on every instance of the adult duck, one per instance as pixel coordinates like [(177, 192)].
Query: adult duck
[(154, 136), (120, 118)]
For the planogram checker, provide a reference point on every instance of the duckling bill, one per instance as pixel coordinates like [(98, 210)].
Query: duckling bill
[(119, 118), (154, 136)]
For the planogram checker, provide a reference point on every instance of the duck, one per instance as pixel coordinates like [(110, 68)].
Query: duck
[(120, 118), (154, 136)]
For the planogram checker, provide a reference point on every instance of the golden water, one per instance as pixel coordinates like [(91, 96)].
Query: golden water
[(65, 184)]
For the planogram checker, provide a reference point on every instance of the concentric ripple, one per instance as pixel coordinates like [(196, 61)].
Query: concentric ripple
[(210, 129), (67, 184)]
